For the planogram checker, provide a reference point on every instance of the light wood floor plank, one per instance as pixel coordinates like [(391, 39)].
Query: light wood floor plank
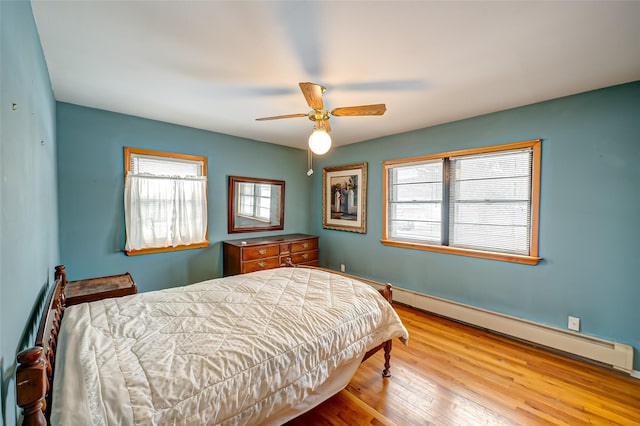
[(453, 374)]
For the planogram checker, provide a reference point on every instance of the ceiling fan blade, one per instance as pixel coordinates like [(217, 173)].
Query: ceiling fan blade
[(277, 117), (377, 109), (313, 94)]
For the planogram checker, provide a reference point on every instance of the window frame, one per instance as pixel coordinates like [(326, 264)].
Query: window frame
[(128, 151), (531, 259)]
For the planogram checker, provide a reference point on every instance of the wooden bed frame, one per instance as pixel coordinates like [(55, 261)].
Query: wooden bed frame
[(36, 365)]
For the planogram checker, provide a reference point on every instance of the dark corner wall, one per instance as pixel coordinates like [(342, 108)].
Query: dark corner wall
[(91, 185), (28, 187), (589, 212)]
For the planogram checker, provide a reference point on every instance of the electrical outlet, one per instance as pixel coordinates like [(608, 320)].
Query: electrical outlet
[(574, 323), (342, 267)]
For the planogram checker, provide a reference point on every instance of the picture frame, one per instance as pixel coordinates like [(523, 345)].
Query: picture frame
[(344, 198)]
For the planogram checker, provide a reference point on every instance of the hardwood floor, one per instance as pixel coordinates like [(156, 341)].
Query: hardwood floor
[(453, 374)]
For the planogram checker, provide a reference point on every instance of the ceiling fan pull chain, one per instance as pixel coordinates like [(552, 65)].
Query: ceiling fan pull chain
[(309, 162)]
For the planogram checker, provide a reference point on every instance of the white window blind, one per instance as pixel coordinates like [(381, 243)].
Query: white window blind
[(165, 202), (165, 166), (415, 201), (490, 201)]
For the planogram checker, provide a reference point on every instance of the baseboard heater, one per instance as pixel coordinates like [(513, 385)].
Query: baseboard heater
[(617, 355)]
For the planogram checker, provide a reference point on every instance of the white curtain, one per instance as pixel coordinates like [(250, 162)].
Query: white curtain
[(163, 211)]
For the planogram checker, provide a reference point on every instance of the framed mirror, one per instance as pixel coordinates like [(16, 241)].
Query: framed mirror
[(255, 204)]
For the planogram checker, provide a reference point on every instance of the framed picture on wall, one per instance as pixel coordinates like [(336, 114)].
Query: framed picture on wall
[(344, 198)]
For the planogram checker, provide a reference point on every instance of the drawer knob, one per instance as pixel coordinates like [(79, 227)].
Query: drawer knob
[(262, 264), (304, 256), (305, 245), (262, 251)]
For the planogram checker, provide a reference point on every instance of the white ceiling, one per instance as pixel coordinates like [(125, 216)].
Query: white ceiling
[(218, 65)]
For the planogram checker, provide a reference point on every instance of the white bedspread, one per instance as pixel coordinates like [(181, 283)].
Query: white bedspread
[(249, 349)]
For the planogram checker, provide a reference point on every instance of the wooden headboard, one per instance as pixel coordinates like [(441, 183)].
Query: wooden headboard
[(36, 365)]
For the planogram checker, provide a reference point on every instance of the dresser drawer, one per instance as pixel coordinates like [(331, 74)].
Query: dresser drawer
[(306, 245), (258, 265), (261, 252), (285, 248), (254, 254), (304, 257)]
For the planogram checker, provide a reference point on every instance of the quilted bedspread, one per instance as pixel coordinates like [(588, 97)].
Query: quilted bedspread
[(249, 349)]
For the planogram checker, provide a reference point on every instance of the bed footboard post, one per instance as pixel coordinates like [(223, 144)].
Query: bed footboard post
[(387, 358), (387, 293), (31, 385)]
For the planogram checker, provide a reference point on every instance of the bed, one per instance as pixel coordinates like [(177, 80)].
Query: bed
[(257, 348)]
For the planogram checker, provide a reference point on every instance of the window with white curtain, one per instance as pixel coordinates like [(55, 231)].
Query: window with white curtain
[(481, 202), (165, 200)]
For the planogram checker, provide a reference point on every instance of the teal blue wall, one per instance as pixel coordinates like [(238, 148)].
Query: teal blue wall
[(90, 175), (28, 197), (589, 213), (589, 206)]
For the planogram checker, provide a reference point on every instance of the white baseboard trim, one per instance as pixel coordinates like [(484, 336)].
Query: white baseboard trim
[(635, 374), (617, 355)]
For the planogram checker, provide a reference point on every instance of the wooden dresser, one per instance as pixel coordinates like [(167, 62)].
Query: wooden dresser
[(253, 254)]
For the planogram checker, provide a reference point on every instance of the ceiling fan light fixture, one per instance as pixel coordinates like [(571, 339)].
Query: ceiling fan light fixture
[(319, 141)]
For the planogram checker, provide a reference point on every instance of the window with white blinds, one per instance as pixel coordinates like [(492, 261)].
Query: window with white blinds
[(490, 201), (415, 201), (480, 202), (165, 201)]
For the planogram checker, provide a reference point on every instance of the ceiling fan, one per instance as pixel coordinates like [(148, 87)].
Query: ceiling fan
[(320, 141)]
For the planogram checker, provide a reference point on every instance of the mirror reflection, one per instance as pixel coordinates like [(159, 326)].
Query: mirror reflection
[(255, 204)]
